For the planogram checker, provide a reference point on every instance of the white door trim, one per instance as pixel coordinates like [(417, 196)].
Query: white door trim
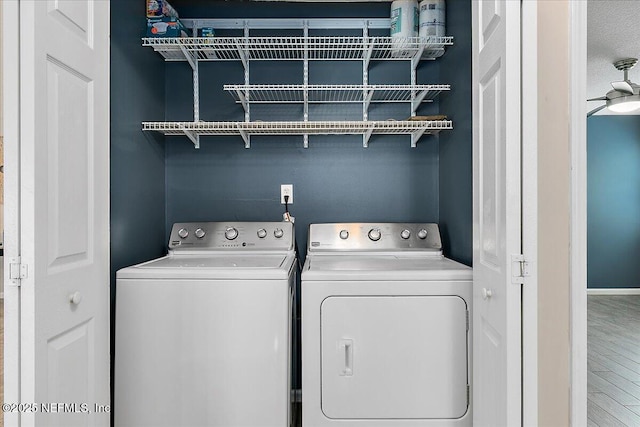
[(578, 146), (11, 127), (530, 211)]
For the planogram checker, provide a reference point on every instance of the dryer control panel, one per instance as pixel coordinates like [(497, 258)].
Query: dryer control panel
[(232, 236), (389, 237)]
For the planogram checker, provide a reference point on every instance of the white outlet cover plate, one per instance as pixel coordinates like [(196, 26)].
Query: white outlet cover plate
[(286, 189)]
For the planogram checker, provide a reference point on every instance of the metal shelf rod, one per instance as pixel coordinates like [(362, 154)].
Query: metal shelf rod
[(289, 23)]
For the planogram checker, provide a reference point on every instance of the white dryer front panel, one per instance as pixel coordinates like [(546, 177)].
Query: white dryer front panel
[(394, 357)]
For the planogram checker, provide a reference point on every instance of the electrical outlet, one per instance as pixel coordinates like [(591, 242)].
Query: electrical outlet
[(286, 190)]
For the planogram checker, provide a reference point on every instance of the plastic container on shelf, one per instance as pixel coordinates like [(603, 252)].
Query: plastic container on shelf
[(405, 22), (432, 18)]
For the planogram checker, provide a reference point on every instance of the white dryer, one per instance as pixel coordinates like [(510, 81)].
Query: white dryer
[(386, 338), (203, 335)]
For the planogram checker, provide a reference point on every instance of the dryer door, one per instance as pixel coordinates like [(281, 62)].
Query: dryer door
[(394, 357)]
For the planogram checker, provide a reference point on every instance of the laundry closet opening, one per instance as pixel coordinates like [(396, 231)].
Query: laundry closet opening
[(159, 180)]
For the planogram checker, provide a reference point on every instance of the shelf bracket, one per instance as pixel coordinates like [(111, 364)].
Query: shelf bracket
[(192, 59), (368, 51), (242, 55), (366, 136), (365, 73), (414, 80), (418, 56), (368, 93), (416, 136), (415, 103), (247, 77), (305, 75), (194, 137), (243, 100), (246, 137)]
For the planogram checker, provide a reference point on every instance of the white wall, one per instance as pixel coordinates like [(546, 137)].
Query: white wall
[(1, 175), (554, 201)]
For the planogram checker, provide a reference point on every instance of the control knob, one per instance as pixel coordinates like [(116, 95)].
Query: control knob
[(278, 233), (183, 233), (422, 234), (344, 234), (405, 234), (262, 233), (375, 234), (231, 233), (199, 233)]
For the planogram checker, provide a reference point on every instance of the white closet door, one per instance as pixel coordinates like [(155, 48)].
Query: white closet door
[(63, 193), (496, 82)]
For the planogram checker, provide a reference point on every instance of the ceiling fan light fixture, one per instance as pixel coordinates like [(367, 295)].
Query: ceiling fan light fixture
[(624, 104)]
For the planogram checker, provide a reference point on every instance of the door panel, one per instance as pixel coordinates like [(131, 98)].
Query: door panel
[(74, 15), (497, 399), (64, 210), (489, 208), (70, 106), (69, 356), (392, 357)]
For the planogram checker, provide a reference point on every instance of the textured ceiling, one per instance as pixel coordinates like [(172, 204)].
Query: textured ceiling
[(613, 33)]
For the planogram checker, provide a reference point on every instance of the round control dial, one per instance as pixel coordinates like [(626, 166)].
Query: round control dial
[(278, 233), (183, 233), (199, 233), (231, 233), (344, 234), (422, 234), (375, 234), (262, 233), (405, 234)]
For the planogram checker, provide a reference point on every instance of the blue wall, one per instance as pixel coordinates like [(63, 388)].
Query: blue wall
[(335, 179), (613, 215), (137, 159), (456, 171)]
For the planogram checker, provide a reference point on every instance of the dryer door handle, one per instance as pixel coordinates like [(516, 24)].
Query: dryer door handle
[(346, 346)]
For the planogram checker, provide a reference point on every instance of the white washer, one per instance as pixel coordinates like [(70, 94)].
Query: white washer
[(203, 335), (386, 338)]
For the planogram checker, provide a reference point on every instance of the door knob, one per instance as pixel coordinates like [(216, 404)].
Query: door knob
[(75, 298), (486, 293)]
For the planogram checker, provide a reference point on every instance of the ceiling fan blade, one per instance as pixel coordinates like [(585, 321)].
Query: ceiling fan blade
[(602, 98), (623, 86), (595, 110)]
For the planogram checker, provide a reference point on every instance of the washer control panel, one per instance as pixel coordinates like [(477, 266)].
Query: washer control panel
[(232, 236), (374, 237)]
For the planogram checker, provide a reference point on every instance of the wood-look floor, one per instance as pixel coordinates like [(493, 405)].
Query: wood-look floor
[(613, 360)]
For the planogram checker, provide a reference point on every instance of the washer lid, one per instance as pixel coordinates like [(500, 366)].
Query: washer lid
[(217, 266), (383, 267)]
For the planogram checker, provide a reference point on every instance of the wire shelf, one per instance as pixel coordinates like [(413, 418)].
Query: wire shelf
[(297, 48), (262, 94), (194, 130), (299, 127)]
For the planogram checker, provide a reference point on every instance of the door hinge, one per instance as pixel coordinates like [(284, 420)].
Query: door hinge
[(17, 271), (519, 269)]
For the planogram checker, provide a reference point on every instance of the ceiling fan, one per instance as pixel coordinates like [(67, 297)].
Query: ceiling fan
[(625, 96)]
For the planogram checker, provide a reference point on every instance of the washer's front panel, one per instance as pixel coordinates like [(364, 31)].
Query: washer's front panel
[(394, 357), (202, 353)]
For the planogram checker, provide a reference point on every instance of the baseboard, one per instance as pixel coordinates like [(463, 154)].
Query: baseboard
[(613, 291)]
